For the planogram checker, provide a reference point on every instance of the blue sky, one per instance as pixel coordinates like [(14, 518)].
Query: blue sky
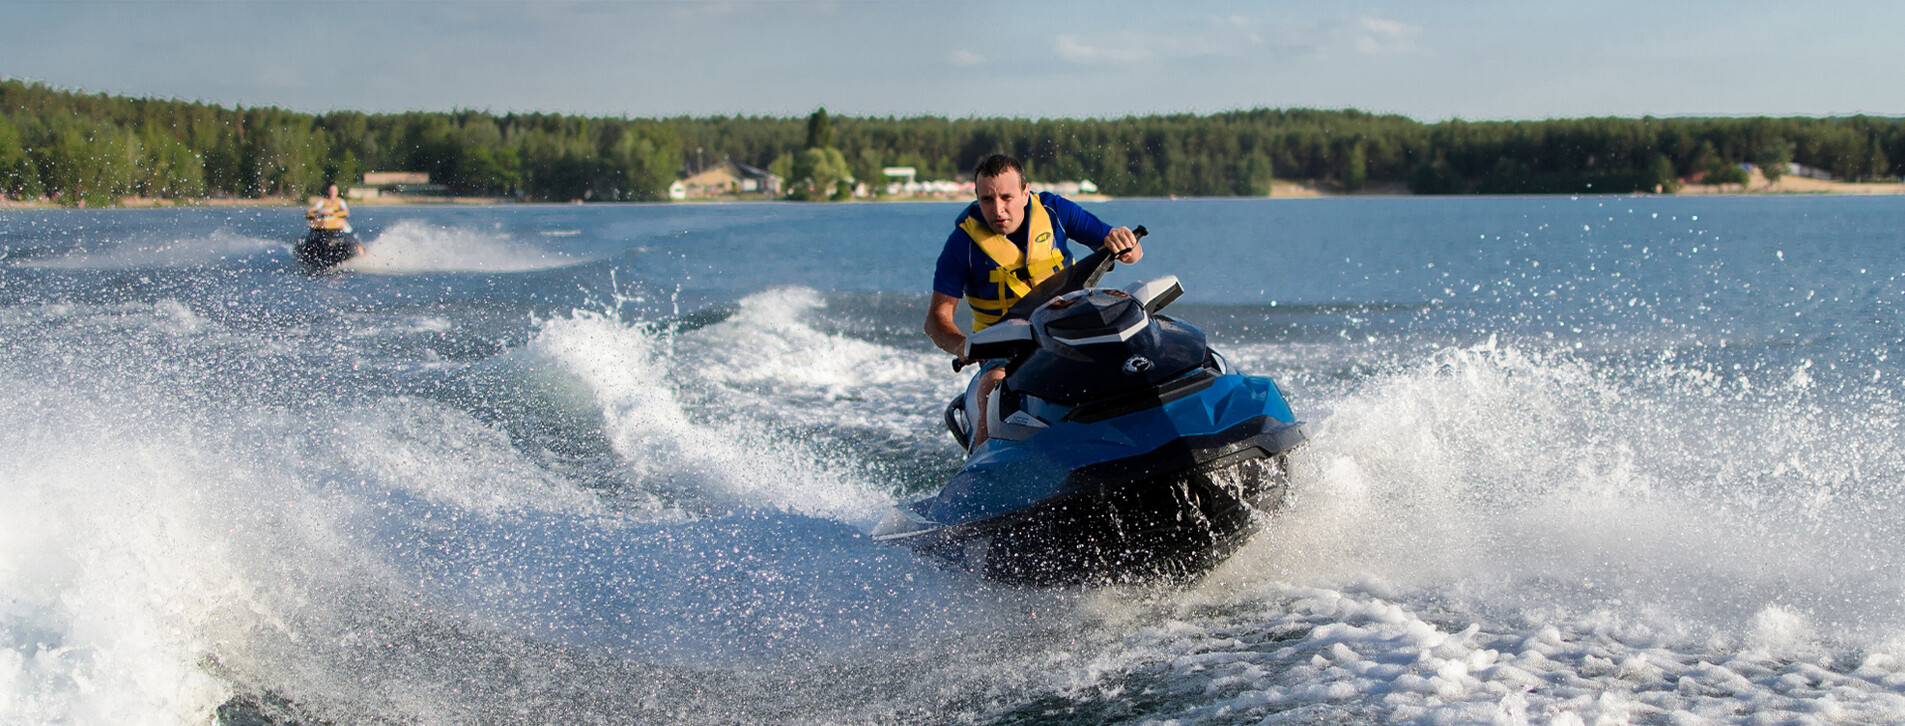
[(1428, 59)]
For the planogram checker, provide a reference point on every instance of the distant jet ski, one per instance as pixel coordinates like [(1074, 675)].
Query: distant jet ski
[(330, 242), (1120, 448), (324, 249)]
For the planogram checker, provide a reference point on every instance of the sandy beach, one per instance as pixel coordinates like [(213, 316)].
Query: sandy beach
[(1789, 184)]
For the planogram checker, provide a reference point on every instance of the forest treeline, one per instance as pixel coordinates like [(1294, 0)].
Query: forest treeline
[(95, 149)]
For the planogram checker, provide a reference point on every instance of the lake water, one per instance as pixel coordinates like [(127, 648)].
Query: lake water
[(1573, 460)]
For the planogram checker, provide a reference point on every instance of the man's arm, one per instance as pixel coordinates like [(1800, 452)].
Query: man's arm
[(940, 326), (1085, 226)]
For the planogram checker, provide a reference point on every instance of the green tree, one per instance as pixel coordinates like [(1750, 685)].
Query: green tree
[(224, 168), (286, 160), (1355, 166), (1661, 175), (90, 164), (172, 171), (1436, 177), (1876, 166), (19, 176), (782, 166), (1508, 176), (644, 163), (1255, 175), (868, 169), (1707, 159), (819, 130), (817, 172), (343, 168), (1728, 174), (1773, 159)]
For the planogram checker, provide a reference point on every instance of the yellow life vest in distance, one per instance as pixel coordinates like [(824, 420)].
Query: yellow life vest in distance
[(328, 214), (1018, 270)]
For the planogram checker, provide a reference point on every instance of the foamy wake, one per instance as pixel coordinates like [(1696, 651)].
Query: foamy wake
[(1371, 653), (415, 246), (1496, 463), (110, 580), (648, 394), (768, 361), (153, 251), (156, 536), (1491, 535), (1494, 536)]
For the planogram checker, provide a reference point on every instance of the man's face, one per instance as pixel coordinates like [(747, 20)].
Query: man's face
[(1002, 200)]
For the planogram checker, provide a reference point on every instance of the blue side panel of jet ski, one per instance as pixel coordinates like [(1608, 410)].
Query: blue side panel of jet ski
[(1003, 476)]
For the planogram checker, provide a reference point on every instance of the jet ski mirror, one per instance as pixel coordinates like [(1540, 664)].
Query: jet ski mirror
[(1156, 293)]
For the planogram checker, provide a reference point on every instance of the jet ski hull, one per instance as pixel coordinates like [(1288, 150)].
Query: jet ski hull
[(1146, 525), (324, 249), (1072, 505)]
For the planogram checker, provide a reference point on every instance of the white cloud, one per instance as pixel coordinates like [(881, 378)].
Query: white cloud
[(1123, 50), (1380, 35), (965, 58), (1240, 24), (1234, 36), (701, 9)]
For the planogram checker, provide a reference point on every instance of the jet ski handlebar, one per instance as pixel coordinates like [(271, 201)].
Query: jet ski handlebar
[(1085, 273)]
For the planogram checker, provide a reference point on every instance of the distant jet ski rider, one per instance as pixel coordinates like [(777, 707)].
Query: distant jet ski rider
[(330, 241), (330, 215), (1000, 247)]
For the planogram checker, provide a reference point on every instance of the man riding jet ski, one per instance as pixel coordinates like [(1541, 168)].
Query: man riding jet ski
[(1004, 243), (1120, 446), (330, 242)]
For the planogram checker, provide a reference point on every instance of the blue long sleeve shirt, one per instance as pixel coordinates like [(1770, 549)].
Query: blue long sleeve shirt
[(964, 267)]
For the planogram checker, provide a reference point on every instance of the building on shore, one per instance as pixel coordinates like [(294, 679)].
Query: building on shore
[(930, 189), (1064, 188), (728, 179), (901, 175), (396, 183), (1801, 170), (902, 181)]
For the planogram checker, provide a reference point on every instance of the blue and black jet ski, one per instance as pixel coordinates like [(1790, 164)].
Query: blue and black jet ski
[(1121, 446), (324, 249)]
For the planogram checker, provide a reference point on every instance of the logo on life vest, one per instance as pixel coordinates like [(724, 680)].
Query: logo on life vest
[(1044, 237)]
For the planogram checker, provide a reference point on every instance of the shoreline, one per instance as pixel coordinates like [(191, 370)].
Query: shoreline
[(1280, 189), (157, 203), (1788, 184)]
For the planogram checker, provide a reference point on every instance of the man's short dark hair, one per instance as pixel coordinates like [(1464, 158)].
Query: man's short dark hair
[(997, 164)]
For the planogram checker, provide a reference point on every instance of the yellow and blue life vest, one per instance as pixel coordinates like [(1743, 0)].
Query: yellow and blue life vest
[(328, 214), (1018, 270)]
